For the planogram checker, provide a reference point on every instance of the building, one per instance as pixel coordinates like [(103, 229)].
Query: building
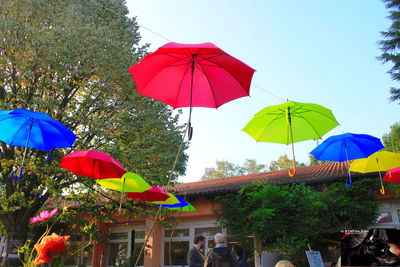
[(126, 238)]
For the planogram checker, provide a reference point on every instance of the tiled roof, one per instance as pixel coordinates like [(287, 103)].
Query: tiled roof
[(306, 175)]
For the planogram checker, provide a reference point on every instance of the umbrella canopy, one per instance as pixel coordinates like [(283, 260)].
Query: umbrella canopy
[(182, 203), (94, 164), (129, 182), (377, 162), (392, 175), (34, 129), (185, 208), (289, 123), (153, 194), (347, 146), (169, 201), (192, 75)]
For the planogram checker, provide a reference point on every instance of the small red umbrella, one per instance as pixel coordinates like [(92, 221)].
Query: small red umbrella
[(192, 75), (392, 176), (94, 164), (153, 194)]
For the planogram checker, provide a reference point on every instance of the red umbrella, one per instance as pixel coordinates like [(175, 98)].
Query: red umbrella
[(392, 175), (98, 165), (153, 194), (192, 75)]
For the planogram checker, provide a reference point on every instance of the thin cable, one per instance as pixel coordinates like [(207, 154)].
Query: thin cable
[(127, 18), (265, 91)]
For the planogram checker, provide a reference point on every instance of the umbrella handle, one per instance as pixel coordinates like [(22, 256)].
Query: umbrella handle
[(20, 174), (350, 183), (293, 171), (190, 131), (48, 158), (382, 190)]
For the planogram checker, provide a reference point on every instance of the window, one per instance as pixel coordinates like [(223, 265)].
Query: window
[(385, 217), (177, 233), (118, 253), (208, 231), (122, 249), (79, 256), (179, 250)]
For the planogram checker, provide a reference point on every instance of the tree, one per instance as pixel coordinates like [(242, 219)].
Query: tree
[(390, 46), (69, 59), (314, 161), (391, 140), (226, 169), (282, 163), (286, 218)]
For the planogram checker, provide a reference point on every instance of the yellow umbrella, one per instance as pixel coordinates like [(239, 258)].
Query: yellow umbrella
[(129, 182), (169, 201), (377, 162)]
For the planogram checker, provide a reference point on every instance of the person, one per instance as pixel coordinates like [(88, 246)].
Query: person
[(284, 263), (242, 262), (195, 255), (221, 256)]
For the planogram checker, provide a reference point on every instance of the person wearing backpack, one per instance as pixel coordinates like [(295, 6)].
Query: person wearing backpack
[(221, 255)]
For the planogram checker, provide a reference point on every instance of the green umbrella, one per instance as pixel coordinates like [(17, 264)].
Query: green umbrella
[(129, 182), (185, 208), (289, 123)]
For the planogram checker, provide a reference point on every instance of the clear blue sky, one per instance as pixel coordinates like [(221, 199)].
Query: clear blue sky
[(314, 51)]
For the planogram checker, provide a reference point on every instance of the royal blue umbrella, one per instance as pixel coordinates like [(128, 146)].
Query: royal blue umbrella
[(37, 130), (347, 146)]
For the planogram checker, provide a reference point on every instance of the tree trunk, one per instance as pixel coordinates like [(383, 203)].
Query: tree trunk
[(16, 233)]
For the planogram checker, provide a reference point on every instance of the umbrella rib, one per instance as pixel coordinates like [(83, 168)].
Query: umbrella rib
[(209, 82), (22, 125), (181, 82)]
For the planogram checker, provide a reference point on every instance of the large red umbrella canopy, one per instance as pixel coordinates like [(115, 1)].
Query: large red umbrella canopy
[(153, 194), (192, 75), (94, 164)]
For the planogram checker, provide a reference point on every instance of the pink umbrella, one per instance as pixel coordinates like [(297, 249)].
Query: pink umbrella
[(392, 176), (90, 163), (192, 75), (153, 194)]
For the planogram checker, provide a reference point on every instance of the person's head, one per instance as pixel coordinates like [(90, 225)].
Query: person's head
[(284, 263), (199, 240), (239, 250), (394, 248), (219, 238)]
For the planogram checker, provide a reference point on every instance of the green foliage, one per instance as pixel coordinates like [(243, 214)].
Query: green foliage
[(283, 163), (226, 169), (286, 218), (314, 161), (391, 140), (390, 45), (70, 59)]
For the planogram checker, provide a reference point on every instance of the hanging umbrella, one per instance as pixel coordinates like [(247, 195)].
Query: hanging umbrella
[(347, 146), (31, 129), (181, 206), (153, 194), (129, 182), (169, 201), (185, 208), (192, 75), (289, 123), (392, 175), (377, 162), (94, 164)]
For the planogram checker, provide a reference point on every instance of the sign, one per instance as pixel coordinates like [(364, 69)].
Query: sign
[(314, 258)]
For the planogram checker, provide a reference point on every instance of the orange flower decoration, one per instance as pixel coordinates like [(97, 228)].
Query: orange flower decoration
[(48, 247)]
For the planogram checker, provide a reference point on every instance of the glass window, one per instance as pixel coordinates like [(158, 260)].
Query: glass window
[(177, 233), (385, 217), (138, 247), (139, 234), (179, 252), (118, 253), (119, 236), (208, 231)]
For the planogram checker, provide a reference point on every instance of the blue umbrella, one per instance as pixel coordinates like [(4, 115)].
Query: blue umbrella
[(34, 130), (182, 203), (347, 146)]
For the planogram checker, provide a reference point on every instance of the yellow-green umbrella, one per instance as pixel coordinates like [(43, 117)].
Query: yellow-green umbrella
[(185, 208), (377, 162), (289, 123), (129, 182)]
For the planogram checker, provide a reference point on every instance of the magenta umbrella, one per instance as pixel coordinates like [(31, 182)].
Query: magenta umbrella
[(150, 195), (192, 75), (392, 175)]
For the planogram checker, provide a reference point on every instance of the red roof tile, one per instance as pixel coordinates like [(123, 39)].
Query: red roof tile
[(307, 175)]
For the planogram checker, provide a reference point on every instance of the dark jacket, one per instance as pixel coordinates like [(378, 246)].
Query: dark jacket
[(221, 257), (195, 259)]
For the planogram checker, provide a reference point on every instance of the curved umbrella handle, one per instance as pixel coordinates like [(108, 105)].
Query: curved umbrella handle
[(293, 171), (20, 174), (350, 183), (382, 190), (48, 158)]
